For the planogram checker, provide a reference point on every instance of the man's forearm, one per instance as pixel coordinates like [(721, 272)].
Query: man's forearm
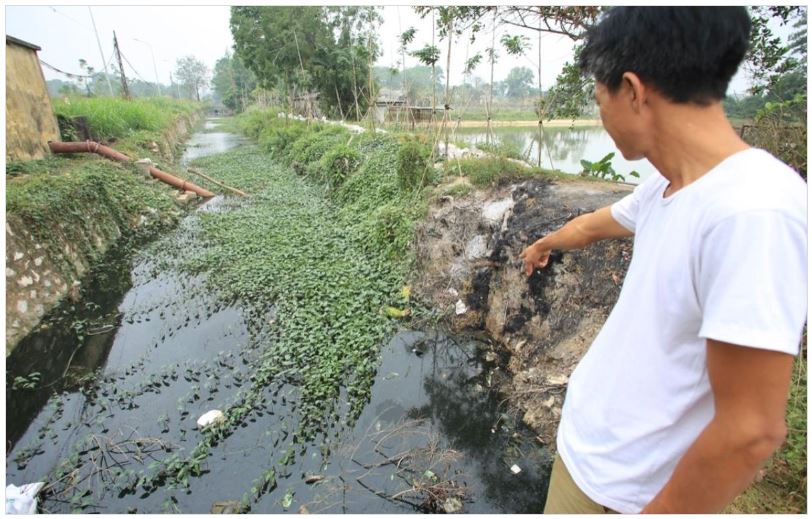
[(719, 465), (584, 230), (568, 237)]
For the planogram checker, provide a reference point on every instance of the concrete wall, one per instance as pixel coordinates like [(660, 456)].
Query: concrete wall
[(30, 121)]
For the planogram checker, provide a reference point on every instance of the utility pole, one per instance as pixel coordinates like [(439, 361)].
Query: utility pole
[(104, 61), (125, 91), (154, 67), (172, 81)]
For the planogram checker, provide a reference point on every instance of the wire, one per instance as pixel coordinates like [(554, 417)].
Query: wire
[(132, 68), (69, 74), (74, 20)]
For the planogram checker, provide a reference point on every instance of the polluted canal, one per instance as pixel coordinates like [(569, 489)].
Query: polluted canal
[(103, 401)]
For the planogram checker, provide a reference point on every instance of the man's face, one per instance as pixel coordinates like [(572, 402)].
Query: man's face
[(620, 120)]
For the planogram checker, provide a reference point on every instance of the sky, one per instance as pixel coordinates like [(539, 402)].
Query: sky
[(65, 34)]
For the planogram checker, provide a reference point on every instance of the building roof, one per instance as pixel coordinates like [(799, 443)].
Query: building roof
[(17, 41)]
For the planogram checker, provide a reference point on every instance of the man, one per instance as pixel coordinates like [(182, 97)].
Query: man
[(681, 397)]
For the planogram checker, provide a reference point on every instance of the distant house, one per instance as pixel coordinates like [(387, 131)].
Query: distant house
[(30, 121), (392, 106), (388, 105)]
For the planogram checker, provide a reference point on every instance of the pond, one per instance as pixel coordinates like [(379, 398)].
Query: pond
[(562, 148), (124, 380)]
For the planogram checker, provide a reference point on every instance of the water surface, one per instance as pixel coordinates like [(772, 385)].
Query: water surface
[(562, 147)]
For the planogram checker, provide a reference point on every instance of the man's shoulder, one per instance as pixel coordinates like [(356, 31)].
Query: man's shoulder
[(755, 181)]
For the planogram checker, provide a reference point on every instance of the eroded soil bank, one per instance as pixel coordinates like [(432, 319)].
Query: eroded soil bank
[(468, 265)]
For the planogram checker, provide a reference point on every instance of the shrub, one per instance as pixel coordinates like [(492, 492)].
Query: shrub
[(309, 148), (337, 164), (391, 227), (413, 165), (279, 139)]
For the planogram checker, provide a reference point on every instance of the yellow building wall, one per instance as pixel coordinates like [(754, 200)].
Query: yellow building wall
[(30, 121)]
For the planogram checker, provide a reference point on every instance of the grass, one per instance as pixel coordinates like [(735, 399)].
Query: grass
[(499, 114), (492, 171), (110, 117), (506, 149)]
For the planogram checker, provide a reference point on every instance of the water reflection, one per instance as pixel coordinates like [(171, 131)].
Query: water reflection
[(561, 148)]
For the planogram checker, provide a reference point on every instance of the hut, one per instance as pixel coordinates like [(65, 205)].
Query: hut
[(30, 121), (390, 106)]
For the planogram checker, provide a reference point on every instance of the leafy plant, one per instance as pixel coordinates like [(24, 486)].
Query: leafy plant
[(29, 382), (413, 165), (603, 169)]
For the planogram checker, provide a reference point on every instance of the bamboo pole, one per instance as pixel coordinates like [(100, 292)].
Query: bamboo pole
[(213, 181)]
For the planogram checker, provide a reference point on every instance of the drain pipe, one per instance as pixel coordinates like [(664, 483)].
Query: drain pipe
[(110, 153)]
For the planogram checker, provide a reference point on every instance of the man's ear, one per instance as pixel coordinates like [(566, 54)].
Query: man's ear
[(636, 89)]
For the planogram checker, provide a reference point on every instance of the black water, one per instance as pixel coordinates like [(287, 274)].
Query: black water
[(126, 373)]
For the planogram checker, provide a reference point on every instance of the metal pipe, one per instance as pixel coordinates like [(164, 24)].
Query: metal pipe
[(110, 153)]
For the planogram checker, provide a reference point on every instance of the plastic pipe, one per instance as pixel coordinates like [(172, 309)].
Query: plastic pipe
[(110, 153)]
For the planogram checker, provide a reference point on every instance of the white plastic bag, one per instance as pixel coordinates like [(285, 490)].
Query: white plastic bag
[(22, 500)]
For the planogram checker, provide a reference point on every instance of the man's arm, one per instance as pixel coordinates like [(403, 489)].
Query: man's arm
[(576, 234), (750, 388)]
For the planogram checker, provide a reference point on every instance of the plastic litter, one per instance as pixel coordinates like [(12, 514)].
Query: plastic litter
[(452, 505), (515, 469), (22, 500), (210, 418), (494, 211), (460, 307)]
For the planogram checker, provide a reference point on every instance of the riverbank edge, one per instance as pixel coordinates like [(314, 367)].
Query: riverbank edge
[(553, 123), (43, 266)]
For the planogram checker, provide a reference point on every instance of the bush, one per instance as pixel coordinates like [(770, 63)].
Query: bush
[(337, 164), (413, 165), (279, 139), (391, 228), (308, 149)]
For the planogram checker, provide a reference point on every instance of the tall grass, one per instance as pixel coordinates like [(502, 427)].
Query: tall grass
[(109, 117)]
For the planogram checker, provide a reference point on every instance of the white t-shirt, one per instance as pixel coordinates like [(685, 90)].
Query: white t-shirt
[(723, 258)]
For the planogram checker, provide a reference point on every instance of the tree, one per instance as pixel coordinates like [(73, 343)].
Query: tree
[(304, 49), (518, 82), (571, 94), (192, 73), (233, 82), (419, 86)]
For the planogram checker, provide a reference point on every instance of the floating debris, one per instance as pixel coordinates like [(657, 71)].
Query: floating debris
[(210, 418)]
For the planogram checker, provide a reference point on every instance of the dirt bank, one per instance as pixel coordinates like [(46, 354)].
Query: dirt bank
[(467, 251)]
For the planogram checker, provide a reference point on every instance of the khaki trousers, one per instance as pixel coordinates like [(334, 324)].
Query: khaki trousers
[(564, 496)]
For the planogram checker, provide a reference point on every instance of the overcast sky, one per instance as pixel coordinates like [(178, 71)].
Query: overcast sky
[(66, 34)]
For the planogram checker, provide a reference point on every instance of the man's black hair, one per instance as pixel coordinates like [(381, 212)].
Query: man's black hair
[(689, 54)]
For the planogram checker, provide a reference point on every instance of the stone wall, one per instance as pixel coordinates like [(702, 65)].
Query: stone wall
[(35, 283)]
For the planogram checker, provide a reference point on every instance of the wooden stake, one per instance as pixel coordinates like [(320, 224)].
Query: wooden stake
[(233, 190)]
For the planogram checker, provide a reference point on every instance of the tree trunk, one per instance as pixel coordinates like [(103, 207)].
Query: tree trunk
[(490, 87), (447, 106), (433, 77)]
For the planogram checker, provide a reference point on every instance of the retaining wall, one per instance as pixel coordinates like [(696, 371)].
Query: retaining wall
[(36, 280)]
